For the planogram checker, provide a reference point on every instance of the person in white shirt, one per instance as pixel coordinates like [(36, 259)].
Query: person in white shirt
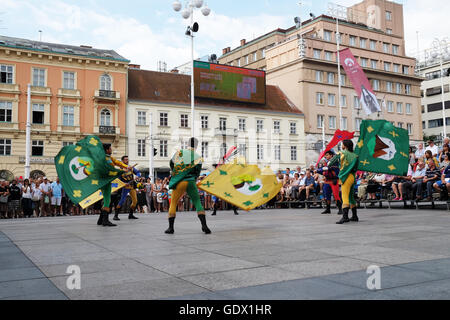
[(420, 152), (433, 148), (46, 190), (36, 196), (27, 203)]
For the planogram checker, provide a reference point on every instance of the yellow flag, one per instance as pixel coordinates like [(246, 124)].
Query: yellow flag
[(242, 185), (97, 196)]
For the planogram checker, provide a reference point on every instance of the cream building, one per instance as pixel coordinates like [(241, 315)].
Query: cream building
[(302, 62), (267, 135)]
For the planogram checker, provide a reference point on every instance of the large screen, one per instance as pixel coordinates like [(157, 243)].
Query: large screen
[(223, 82)]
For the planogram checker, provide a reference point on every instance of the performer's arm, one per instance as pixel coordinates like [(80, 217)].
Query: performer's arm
[(334, 160), (137, 172), (119, 163)]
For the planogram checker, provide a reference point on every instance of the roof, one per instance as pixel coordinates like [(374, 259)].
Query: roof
[(85, 51), (165, 87)]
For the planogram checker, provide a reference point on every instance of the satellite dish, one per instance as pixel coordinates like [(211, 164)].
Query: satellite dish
[(176, 5), (213, 58), (312, 15), (206, 11), (298, 22), (198, 3), (186, 13), (195, 27)]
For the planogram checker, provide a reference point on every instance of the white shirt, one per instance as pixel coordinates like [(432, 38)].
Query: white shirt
[(420, 153), (37, 192), (45, 187), (434, 150), (27, 193)]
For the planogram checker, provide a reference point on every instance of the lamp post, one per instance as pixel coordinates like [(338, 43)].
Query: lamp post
[(440, 50), (186, 13)]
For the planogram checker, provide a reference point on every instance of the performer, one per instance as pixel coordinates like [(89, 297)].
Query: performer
[(348, 166), (186, 166), (130, 188), (106, 190), (331, 185)]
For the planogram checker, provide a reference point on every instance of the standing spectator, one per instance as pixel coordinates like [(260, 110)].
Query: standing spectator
[(157, 189), (27, 203), (14, 199), (46, 191), (433, 148), (36, 197), (159, 199), (431, 176), (148, 195), (420, 152), (3, 200), (56, 198), (142, 201)]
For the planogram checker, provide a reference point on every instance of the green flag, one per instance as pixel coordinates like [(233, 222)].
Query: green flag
[(82, 168), (383, 148)]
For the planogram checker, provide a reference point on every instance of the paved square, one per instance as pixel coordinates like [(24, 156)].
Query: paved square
[(263, 254)]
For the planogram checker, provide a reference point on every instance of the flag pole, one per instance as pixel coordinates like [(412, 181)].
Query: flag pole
[(28, 135)]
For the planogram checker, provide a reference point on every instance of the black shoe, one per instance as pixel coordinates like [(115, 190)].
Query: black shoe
[(339, 205), (214, 213), (170, 230), (327, 210), (131, 216), (205, 228), (100, 219), (116, 217), (345, 218), (105, 220), (354, 217), (235, 212)]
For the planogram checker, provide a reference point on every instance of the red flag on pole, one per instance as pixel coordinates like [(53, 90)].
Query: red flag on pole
[(338, 137), (359, 81)]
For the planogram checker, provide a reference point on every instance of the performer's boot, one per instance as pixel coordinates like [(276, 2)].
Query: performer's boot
[(328, 209), (131, 216), (170, 230), (354, 215), (105, 220), (100, 218), (116, 214), (339, 205), (235, 211), (215, 210), (205, 228), (345, 218)]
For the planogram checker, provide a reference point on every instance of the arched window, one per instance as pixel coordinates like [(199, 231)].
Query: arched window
[(105, 82), (36, 174), (6, 175), (105, 118)]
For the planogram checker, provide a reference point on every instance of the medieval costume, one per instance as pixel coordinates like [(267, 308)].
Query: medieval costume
[(331, 186), (130, 188)]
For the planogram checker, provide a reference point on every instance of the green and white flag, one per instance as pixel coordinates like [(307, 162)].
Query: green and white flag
[(82, 168), (383, 148)]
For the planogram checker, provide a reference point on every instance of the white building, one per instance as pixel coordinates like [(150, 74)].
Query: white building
[(267, 135)]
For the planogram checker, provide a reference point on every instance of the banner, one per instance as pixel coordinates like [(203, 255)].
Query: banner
[(97, 196), (383, 148), (339, 136), (359, 81)]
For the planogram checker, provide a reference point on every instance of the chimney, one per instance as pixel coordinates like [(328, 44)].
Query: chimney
[(174, 70), (134, 66), (224, 50), (243, 42), (228, 49)]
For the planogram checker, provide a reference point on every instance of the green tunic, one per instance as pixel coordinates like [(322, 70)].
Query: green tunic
[(348, 164), (186, 165)]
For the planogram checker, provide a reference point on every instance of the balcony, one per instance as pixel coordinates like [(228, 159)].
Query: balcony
[(107, 95), (107, 130), (226, 132)]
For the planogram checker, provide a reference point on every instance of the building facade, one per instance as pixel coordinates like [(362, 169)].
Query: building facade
[(75, 91), (304, 65), (267, 135)]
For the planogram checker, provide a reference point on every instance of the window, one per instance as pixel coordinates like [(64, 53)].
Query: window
[(332, 122), (344, 123), (38, 77), (68, 116), (37, 148), (320, 121), (400, 125), (330, 78), (204, 120), (387, 66), (255, 56), (259, 125), (327, 35), (223, 124), (293, 153), (357, 123), (328, 56), (141, 147), (389, 31), (184, 145), (238, 62), (405, 69), (385, 47), (277, 152), (409, 126), (331, 99), (408, 108), (390, 106), (407, 88), (6, 73), (343, 101), (342, 79), (67, 143), (276, 126), (319, 76), (163, 119), (69, 80), (388, 86), (5, 147), (204, 149), (163, 148), (142, 118), (184, 121), (105, 118), (399, 107), (376, 84), (356, 102), (293, 128), (316, 53), (352, 40), (396, 67), (5, 111), (242, 124), (435, 123), (362, 43), (319, 98), (395, 49), (38, 113), (398, 87), (364, 62), (373, 45), (373, 64), (388, 16), (105, 82), (260, 152), (263, 52), (243, 149)]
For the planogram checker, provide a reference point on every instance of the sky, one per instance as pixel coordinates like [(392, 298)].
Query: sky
[(148, 31)]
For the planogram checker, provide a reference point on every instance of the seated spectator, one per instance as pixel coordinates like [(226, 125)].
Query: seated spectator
[(431, 176), (443, 185), (294, 187), (386, 185), (414, 184), (445, 162), (432, 148), (308, 186), (428, 156), (412, 156), (443, 152), (420, 152), (374, 185), (363, 183)]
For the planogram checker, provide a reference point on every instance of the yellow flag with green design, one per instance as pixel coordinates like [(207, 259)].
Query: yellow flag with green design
[(82, 168), (242, 185), (383, 148)]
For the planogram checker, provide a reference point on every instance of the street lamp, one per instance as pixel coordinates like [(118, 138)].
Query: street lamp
[(440, 51), (186, 13)]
